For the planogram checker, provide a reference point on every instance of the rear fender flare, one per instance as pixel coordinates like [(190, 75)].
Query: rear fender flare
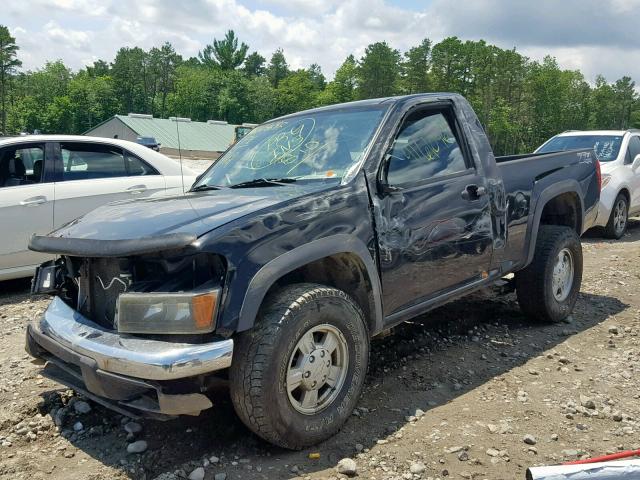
[(565, 186), (275, 269)]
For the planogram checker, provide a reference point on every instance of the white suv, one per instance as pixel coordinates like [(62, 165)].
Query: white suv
[(619, 155)]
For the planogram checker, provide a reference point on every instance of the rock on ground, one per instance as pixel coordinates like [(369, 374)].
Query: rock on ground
[(347, 466)]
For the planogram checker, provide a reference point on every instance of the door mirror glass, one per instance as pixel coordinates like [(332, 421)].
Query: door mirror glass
[(636, 163)]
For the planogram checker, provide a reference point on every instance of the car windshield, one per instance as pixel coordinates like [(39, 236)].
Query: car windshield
[(318, 145), (606, 147), (147, 140)]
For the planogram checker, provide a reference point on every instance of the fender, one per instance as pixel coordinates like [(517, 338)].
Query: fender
[(565, 186), (300, 256)]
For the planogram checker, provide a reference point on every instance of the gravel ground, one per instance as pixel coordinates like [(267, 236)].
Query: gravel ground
[(469, 391)]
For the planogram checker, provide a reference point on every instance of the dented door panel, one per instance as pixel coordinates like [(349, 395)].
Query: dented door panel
[(431, 240)]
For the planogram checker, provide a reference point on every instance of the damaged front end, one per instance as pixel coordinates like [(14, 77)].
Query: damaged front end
[(135, 332)]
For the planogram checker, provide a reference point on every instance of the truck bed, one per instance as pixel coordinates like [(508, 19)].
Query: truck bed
[(526, 176)]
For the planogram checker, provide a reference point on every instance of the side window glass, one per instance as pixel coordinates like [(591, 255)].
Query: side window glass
[(82, 161), (21, 165), (634, 148), (137, 167), (426, 147)]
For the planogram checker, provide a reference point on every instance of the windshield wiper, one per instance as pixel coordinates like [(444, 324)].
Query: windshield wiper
[(263, 182), (202, 188)]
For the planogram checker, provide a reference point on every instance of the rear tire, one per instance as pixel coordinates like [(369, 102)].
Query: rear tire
[(617, 224), (548, 288), (296, 376)]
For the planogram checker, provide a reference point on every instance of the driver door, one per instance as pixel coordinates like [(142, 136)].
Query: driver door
[(434, 229)]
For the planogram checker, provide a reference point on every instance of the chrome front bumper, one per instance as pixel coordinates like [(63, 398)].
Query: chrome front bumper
[(127, 354), (132, 375)]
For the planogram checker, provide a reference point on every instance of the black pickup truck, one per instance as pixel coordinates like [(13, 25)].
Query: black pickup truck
[(314, 233)]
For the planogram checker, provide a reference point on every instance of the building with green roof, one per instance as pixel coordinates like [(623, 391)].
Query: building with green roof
[(196, 139)]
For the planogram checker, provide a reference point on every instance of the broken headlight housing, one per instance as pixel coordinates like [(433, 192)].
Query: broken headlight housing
[(168, 312)]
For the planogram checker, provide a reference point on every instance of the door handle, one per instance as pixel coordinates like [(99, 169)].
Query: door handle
[(136, 189), (33, 201), (473, 192)]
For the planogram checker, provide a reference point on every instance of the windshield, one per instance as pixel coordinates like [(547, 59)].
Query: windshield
[(606, 147), (318, 145)]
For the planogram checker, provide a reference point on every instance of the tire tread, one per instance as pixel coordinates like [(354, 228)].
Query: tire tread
[(255, 346), (531, 281)]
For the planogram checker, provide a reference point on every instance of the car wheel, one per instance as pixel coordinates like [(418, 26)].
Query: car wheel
[(617, 224), (548, 288), (297, 374)]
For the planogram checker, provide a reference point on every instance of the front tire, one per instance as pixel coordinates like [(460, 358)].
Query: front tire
[(297, 375), (548, 288), (617, 224)]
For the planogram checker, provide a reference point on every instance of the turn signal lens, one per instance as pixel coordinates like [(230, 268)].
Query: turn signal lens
[(167, 313), (202, 308)]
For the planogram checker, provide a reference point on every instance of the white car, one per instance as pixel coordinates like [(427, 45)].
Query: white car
[(49, 180), (619, 155)]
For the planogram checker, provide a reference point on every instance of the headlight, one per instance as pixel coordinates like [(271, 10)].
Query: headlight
[(605, 180), (168, 313)]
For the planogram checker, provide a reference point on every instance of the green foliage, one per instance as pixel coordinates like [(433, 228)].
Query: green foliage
[(416, 68), (262, 100), (8, 64), (295, 92), (224, 54), (379, 71), (254, 65), (278, 68), (130, 72), (520, 102), (343, 88)]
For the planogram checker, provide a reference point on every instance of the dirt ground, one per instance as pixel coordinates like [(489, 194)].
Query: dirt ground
[(469, 391)]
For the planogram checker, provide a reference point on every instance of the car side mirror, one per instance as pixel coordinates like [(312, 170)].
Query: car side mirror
[(386, 189), (636, 163)]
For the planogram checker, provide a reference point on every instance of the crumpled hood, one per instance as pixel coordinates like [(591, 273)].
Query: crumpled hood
[(193, 213)]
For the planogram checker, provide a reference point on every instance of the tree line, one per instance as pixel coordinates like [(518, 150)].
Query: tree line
[(521, 102)]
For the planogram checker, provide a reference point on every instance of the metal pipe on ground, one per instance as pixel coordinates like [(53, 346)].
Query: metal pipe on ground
[(620, 470)]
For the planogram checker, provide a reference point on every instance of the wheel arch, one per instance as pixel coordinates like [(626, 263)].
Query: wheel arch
[(558, 204), (625, 191), (340, 261)]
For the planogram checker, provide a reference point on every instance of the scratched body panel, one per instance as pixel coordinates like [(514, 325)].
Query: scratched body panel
[(422, 243)]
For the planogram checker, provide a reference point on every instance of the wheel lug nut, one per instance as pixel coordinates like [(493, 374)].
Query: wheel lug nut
[(322, 354), (307, 374), (312, 359)]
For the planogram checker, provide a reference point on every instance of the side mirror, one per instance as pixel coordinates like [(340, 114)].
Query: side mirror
[(636, 163), (386, 189)]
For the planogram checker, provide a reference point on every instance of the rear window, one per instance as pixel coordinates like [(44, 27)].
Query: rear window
[(90, 161), (606, 147)]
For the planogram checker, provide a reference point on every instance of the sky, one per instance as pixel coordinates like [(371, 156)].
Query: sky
[(595, 36)]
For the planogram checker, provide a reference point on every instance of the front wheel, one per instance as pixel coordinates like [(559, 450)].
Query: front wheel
[(617, 224), (548, 288), (297, 375)]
